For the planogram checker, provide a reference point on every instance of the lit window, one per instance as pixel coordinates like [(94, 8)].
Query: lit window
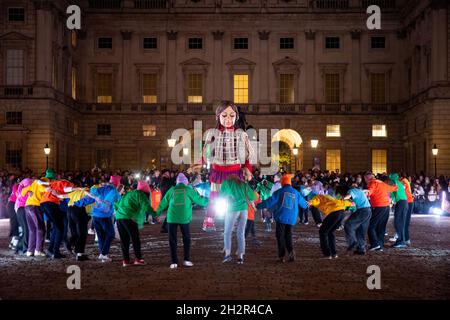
[(334, 160), (149, 88), (333, 130), (149, 130), (241, 88), (379, 161), (14, 67), (286, 88), (195, 88), (379, 130), (104, 88), (74, 83), (332, 88), (378, 83)]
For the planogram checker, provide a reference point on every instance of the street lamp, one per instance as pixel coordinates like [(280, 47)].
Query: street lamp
[(435, 153), (314, 143), (171, 142), (295, 152), (47, 152)]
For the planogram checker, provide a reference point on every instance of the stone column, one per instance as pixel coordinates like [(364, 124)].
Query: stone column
[(356, 66), (217, 72), (44, 33), (310, 65), (127, 83), (264, 67), (171, 68)]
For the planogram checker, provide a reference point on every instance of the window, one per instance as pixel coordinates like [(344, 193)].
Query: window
[(13, 117), (150, 43), (378, 84), (334, 160), (149, 130), (73, 38), (241, 88), (74, 83), (195, 43), (379, 161), (286, 88), (333, 130), (105, 43), (240, 43), (13, 156), (286, 43), (195, 88), (378, 42), (104, 88), (332, 88), (14, 67), (16, 14), (149, 88), (379, 130), (332, 43), (103, 129), (103, 158)]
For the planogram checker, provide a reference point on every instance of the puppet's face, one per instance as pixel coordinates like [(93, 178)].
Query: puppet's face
[(228, 117)]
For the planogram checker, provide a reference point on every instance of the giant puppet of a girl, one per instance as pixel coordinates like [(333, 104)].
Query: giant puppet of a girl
[(228, 151)]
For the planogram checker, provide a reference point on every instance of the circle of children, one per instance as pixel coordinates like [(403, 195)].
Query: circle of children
[(364, 203)]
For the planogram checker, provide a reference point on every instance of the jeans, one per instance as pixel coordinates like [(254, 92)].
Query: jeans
[(230, 220), (172, 228), (36, 228), (401, 211), (408, 220), (56, 216), (283, 233), (129, 231), (250, 228), (316, 215), (356, 228), (22, 245), (78, 225), (303, 213), (104, 229), (326, 232), (13, 223), (377, 226)]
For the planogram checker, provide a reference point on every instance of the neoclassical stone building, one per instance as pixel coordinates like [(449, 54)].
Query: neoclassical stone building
[(111, 93)]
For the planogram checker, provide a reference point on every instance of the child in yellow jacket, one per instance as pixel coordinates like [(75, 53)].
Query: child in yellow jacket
[(334, 211)]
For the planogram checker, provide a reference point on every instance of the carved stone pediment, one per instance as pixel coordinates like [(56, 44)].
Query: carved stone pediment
[(14, 36)]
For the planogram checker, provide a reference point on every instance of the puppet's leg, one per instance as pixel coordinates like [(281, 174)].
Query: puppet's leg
[(208, 223)]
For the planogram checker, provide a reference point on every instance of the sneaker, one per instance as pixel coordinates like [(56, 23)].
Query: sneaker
[(399, 246), (281, 260), (126, 263), (305, 223), (30, 254), (240, 261), (326, 258), (96, 238), (408, 243), (105, 258), (393, 239), (227, 259), (375, 248), (187, 263), (139, 262), (39, 254), (81, 257), (335, 256), (91, 231), (318, 225), (291, 257), (47, 241), (340, 228), (173, 266)]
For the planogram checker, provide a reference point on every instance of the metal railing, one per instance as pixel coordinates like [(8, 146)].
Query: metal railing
[(105, 4), (150, 4)]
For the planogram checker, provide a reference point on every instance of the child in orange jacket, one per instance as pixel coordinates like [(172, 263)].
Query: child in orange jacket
[(250, 226)]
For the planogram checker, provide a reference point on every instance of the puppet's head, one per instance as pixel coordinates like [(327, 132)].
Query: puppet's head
[(227, 114)]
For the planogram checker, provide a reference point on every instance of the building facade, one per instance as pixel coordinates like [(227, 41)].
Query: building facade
[(111, 93)]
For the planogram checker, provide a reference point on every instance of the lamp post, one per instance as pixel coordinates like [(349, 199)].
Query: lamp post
[(295, 152), (46, 152), (171, 143), (435, 153), (314, 145)]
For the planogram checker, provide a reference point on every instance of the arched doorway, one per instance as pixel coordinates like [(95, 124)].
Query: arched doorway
[(287, 140)]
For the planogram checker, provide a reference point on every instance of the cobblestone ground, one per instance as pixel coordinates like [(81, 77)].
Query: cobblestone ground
[(419, 272)]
